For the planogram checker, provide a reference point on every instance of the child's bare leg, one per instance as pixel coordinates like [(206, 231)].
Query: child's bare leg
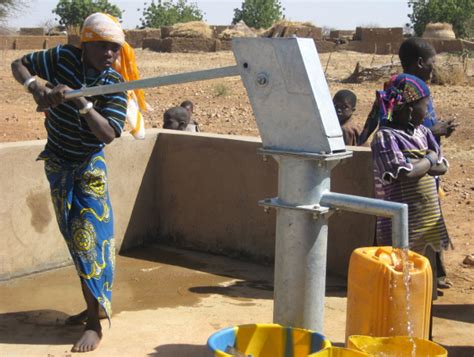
[(90, 339)]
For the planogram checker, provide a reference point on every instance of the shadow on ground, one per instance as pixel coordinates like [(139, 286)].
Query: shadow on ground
[(37, 327), (181, 350), (460, 351), (250, 280), (458, 312)]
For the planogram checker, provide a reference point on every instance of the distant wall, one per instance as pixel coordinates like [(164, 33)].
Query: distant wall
[(32, 31), (378, 34), (182, 44), (377, 40), (135, 37), (31, 42), (446, 45), (198, 191), (336, 34)]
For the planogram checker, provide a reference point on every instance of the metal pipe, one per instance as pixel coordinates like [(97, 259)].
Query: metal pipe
[(301, 243), (398, 212), (155, 82)]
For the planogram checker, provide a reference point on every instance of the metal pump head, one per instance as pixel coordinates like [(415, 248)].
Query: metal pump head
[(289, 94)]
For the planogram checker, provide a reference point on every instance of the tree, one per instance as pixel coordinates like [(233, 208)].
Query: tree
[(259, 13), (72, 13), (459, 13), (167, 13), (9, 6)]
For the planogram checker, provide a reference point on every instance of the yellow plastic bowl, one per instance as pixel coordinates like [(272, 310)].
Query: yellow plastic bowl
[(266, 340), (339, 352), (396, 346)]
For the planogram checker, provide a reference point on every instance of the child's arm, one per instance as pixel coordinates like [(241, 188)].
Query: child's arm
[(421, 167), (444, 128), (370, 125), (438, 169), (440, 166)]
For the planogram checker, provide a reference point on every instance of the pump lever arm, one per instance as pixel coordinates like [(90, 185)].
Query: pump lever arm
[(155, 82)]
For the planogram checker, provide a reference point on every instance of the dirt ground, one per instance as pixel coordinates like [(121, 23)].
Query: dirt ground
[(222, 106), (167, 302)]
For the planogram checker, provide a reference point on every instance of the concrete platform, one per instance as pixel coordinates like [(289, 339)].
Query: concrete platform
[(167, 302)]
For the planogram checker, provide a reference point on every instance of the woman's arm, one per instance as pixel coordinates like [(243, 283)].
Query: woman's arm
[(46, 98), (99, 126), (22, 74)]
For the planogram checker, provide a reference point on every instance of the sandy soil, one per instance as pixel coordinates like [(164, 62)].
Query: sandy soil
[(221, 106)]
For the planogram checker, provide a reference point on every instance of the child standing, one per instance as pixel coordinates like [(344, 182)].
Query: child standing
[(345, 104), (407, 158), (417, 58)]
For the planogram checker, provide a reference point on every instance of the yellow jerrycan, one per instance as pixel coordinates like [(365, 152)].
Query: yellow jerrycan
[(378, 303)]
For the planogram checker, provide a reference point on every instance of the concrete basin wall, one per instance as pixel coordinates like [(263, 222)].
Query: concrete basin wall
[(198, 191), (30, 238)]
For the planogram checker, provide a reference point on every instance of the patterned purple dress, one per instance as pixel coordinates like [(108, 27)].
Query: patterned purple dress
[(392, 150)]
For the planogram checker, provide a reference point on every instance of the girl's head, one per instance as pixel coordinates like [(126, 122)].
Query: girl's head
[(417, 57), (104, 46), (404, 102), (102, 38)]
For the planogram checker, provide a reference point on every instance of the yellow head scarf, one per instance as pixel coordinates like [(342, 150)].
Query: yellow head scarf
[(104, 27)]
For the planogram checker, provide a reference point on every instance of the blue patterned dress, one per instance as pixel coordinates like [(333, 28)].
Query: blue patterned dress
[(84, 214), (76, 168)]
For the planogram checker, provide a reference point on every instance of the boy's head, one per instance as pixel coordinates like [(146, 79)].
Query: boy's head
[(188, 105), (417, 57), (345, 103), (176, 118)]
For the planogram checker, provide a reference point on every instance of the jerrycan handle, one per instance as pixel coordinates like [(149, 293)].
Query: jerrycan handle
[(389, 258), (381, 250)]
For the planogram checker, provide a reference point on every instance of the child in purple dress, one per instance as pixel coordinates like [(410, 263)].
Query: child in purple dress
[(407, 158)]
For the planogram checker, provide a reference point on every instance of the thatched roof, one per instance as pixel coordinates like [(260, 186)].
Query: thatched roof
[(439, 30), (283, 28), (240, 29), (193, 29)]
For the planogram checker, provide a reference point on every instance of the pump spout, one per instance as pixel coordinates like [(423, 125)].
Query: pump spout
[(398, 212)]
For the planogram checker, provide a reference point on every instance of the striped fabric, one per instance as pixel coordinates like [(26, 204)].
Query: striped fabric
[(69, 136), (392, 150)]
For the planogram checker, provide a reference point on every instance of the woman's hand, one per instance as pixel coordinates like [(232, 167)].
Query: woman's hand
[(41, 96), (56, 95)]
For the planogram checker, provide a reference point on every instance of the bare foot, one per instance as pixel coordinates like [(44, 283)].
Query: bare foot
[(89, 341), (81, 318)]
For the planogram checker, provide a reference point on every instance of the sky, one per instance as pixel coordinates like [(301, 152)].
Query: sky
[(336, 14)]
